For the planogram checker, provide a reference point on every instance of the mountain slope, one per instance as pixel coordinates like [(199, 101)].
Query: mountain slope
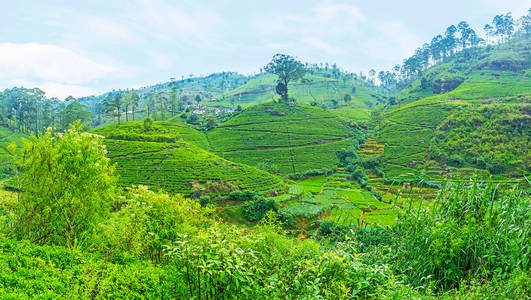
[(293, 138), (440, 126), (168, 157), (320, 86)]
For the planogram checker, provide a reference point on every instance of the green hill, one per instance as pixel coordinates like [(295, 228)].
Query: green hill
[(470, 124), (292, 138), (169, 157), (161, 131), (320, 86)]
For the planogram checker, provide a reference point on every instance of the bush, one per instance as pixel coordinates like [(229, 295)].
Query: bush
[(145, 221), (255, 210), (204, 200), (242, 195), (148, 123), (67, 185)]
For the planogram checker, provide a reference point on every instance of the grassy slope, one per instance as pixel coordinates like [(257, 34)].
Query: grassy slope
[(295, 138), (320, 87), (160, 128), (409, 129), (173, 166)]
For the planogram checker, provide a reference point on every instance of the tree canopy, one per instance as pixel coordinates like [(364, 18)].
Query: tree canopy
[(288, 69)]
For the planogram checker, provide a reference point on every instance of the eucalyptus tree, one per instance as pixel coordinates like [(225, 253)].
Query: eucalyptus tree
[(113, 105), (173, 95), (130, 100), (162, 101)]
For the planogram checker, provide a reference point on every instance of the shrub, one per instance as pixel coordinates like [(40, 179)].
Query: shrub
[(255, 210), (145, 221), (148, 123), (67, 185), (204, 200), (242, 195)]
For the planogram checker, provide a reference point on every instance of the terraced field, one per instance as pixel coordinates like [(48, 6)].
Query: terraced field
[(409, 130), (161, 131), (175, 166), (371, 149), (294, 138), (318, 87), (336, 198)]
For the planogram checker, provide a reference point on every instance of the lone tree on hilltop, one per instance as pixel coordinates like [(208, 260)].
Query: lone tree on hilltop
[(288, 69)]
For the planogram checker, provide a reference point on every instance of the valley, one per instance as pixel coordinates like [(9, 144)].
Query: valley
[(301, 181)]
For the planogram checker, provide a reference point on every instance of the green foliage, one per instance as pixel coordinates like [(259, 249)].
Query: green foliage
[(144, 222), (494, 137), (288, 69), (160, 131), (66, 185), (179, 165), (148, 123), (471, 231)]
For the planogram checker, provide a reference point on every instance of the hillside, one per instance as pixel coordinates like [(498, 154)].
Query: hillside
[(292, 138), (468, 126), (169, 157), (206, 86), (320, 87)]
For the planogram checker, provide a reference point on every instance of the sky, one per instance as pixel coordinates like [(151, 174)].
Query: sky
[(82, 48)]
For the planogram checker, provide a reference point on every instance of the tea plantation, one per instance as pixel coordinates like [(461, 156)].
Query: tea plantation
[(293, 138), (160, 159)]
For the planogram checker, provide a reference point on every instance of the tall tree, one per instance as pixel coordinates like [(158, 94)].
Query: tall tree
[(464, 30), (489, 31), (75, 111), (449, 41), (113, 105), (173, 95), (525, 23), (288, 69), (162, 101)]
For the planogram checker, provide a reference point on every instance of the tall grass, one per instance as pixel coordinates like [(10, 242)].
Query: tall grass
[(473, 231)]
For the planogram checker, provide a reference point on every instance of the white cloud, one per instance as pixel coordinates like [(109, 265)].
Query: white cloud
[(516, 7), (105, 30), (177, 24), (323, 19), (160, 60), (319, 28), (62, 91), (48, 63), (319, 44), (392, 41), (330, 12)]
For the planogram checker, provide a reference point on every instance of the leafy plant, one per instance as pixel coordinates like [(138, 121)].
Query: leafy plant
[(66, 187)]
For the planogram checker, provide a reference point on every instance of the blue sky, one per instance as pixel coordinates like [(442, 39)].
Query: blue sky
[(81, 48)]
